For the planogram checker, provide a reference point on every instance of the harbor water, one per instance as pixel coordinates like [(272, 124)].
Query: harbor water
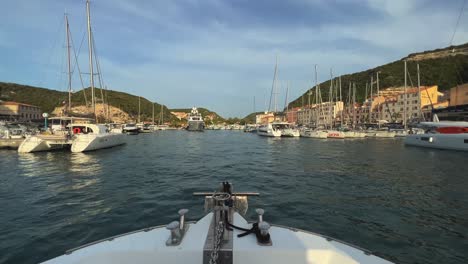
[(406, 204)]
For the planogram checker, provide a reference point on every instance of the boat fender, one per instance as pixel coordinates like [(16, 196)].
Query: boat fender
[(76, 130)]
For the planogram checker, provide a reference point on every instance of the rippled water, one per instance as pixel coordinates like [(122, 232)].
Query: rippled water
[(409, 205)]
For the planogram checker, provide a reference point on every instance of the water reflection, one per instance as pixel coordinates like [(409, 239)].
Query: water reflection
[(86, 164)]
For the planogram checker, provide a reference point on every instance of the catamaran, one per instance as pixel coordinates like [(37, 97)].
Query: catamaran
[(222, 236), (82, 136)]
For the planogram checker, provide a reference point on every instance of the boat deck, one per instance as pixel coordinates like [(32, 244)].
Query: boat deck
[(149, 245)]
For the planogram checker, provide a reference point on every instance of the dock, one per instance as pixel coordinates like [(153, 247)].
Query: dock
[(10, 143)]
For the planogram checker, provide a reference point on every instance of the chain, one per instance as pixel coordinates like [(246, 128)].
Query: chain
[(219, 231)]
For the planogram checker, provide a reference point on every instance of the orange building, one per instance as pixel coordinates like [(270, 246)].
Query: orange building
[(459, 95)]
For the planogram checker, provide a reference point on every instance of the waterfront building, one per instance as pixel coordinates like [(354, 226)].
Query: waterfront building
[(19, 111), (459, 95), (292, 115), (265, 118), (327, 113)]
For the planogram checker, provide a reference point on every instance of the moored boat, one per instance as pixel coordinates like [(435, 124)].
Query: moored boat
[(335, 134), (313, 133), (130, 129), (88, 137), (268, 130), (195, 121), (441, 135)]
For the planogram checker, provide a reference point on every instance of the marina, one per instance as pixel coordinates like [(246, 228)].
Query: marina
[(376, 197), (185, 152)]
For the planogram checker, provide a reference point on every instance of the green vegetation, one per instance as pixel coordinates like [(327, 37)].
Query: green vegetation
[(446, 72), (250, 118), (216, 119), (48, 99)]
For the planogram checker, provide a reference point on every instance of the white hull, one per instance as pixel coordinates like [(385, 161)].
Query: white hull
[(381, 134), (88, 142), (314, 134), (291, 246), (335, 134), (268, 131), (439, 141), (354, 134), (42, 143), (290, 133)]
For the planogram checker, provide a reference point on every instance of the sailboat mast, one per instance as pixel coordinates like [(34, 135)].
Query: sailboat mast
[(91, 70), (317, 91), (153, 113), (354, 103), (254, 104), (378, 102), (371, 99), (404, 110), (341, 100), (273, 88), (419, 94), (348, 112), (330, 98), (162, 115), (139, 105), (67, 28)]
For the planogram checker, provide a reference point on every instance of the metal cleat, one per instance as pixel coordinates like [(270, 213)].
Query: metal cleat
[(260, 213), (182, 213), (264, 238), (176, 236)]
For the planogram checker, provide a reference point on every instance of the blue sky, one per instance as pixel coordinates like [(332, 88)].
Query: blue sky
[(219, 54)]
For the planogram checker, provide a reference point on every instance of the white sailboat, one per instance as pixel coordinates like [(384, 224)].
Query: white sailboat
[(268, 130), (316, 133), (380, 132), (449, 135), (223, 235), (93, 136), (331, 131), (59, 135)]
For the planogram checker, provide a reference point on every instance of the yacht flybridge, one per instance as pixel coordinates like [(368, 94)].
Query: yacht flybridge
[(222, 236)]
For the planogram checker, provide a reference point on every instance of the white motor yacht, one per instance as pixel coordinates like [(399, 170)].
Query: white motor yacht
[(441, 135), (268, 130), (286, 129), (223, 235), (195, 121), (131, 129)]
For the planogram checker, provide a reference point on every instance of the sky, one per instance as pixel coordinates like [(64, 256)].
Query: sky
[(219, 54)]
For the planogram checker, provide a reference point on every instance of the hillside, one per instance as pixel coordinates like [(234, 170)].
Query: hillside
[(48, 100), (207, 114), (250, 118), (444, 67)]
